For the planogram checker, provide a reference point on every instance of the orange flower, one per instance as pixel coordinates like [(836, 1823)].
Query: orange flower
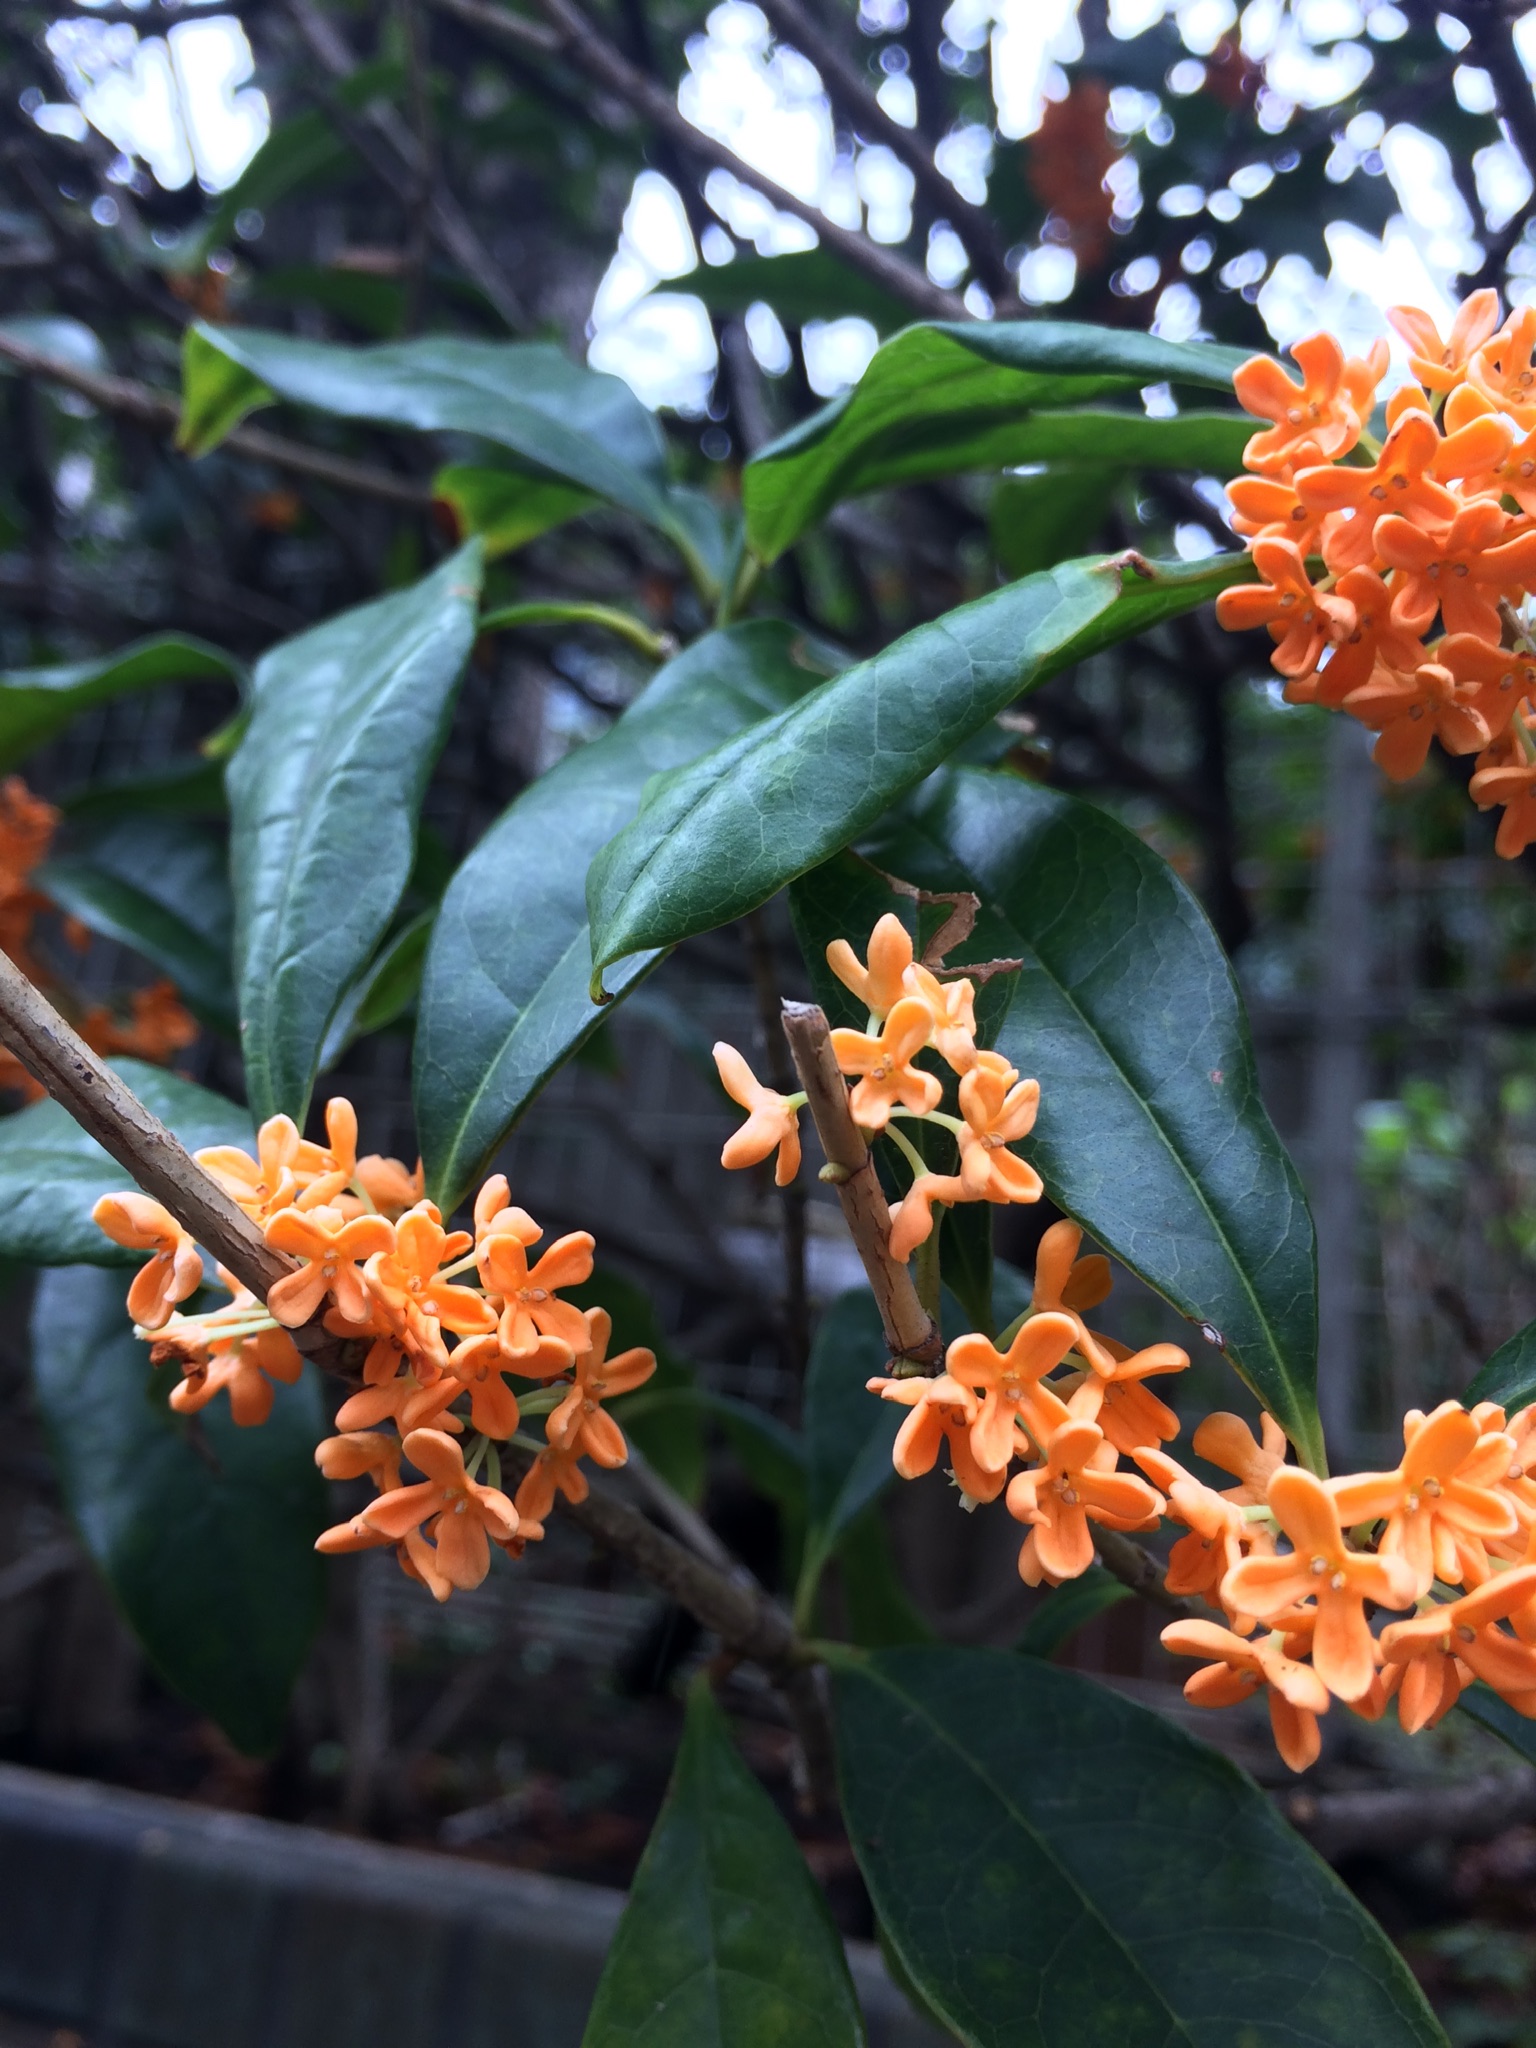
[(1375, 637), (773, 1120), (1399, 481), (1301, 621), (1263, 508), (530, 1307), (266, 1183), (1067, 1285), (358, 1451), (406, 1282), (1316, 420), (1010, 1386), (1320, 1566), (330, 1247), (461, 1513), (1500, 677), (941, 1407), (998, 1108), (1227, 1441), (889, 1077), (1077, 1482), (1441, 365), (881, 985), (1409, 711), (580, 1423), (952, 1008), (478, 1364), (1462, 572), (175, 1271), (1467, 1631), (1507, 775), (1296, 1694), (1440, 1496), (158, 1025), (1218, 1536), (1131, 1415), (1502, 372), (244, 1368), (554, 1469), (912, 1217), (408, 1401)]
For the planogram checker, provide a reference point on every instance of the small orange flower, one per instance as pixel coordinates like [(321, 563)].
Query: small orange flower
[(1068, 1285), (952, 1007), (884, 1063), (1320, 1566), (1442, 365), (266, 1183), (330, 1247), (1009, 1384), (1301, 620), (531, 1309), (1506, 775), (1500, 678), (881, 985), (555, 1469), (1227, 1441), (462, 1514), (358, 1451), (1316, 420), (1441, 1495), (1218, 1536), (998, 1108), (1466, 1631), (407, 1284), (1263, 508), (176, 1270), (1374, 637), (1296, 1694), (1076, 1483), (1409, 711), (912, 1217), (408, 1401), (773, 1120), (245, 1369), (580, 1423), (1131, 1415), (1460, 571), (478, 1364), (1400, 480), (941, 1408), (1502, 371)]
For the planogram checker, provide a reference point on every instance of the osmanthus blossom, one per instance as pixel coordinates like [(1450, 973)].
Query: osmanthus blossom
[(773, 1120), (1076, 1483), (176, 1269), (1449, 1645), (1240, 1668), (1442, 1503), (883, 1062), (581, 1423), (1440, 365)]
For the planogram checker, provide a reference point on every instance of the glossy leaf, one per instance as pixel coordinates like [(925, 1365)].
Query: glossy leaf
[(507, 507), (159, 884), (719, 837), (1483, 1705), (1152, 1132), (940, 399), (1034, 520), (324, 792), (848, 1432), (1069, 1607), (1509, 1377), (726, 1939), (504, 996), (35, 703), (187, 786), (207, 1542), (52, 1174), (1054, 1864), (571, 424), (384, 991), (567, 612)]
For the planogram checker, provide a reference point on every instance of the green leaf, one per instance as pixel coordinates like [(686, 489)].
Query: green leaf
[(374, 305), (1485, 1707), (504, 997), (717, 838), (878, 1608), (324, 792), (1152, 1133), (571, 424), (217, 391), (726, 1938), (847, 1431), (807, 284), (940, 399), (507, 507), (205, 1534), (35, 703), (52, 1174), (667, 1429), (186, 787), (159, 884), (384, 991), (1056, 1865), (567, 612), (1069, 1607), (1509, 1377), (1034, 520)]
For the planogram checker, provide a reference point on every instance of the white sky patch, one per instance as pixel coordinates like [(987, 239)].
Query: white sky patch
[(837, 353), (660, 343)]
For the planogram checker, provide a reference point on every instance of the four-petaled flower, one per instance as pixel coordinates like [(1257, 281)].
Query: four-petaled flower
[(1239, 1668), (1463, 1633), (175, 1271), (881, 985), (462, 1515), (1441, 1499), (531, 1310), (331, 1247), (579, 1423), (773, 1120), (942, 1408), (1301, 619), (1009, 1384), (1442, 365), (1316, 420), (998, 1108), (885, 1063), (1408, 711), (1076, 1484)]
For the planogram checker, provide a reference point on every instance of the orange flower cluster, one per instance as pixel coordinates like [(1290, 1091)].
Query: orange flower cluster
[(375, 1261), (1290, 1562), (157, 1025), (910, 1011), (1416, 623)]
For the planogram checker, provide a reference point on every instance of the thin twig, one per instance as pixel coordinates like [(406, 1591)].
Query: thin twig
[(909, 1330)]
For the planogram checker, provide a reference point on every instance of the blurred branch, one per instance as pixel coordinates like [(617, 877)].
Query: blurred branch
[(160, 412), (580, 43), (847, 83), (1491, 24), (1384, 1823)]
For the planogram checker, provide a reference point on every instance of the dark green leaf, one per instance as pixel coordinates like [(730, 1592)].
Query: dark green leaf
[(726, 1939), (1035, 520), (575, 425), (877, 1606), (507, 507), (1151, 1133), (579, 612), (160, 885), (965, 1262), (939, 399), (323, 794), (848, 1432), (719, 837), (375, 306), (1056, 1865), (1509, 1377), (189, 787), (504, 998), (385, 990), (52, 1174), (807, 284), (206, 1537), (35, 703), (1069, 1607), (668, 1431), (1485, 1707)]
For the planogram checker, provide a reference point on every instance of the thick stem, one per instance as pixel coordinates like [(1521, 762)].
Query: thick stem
[(909, 1329)]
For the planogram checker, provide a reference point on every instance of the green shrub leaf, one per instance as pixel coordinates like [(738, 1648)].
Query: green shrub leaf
[(206, 1540), (35, 703), (726, 1939), (324, 792), (507, 507), (1509, 1377), (847, 1431), (1054, 1864)]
